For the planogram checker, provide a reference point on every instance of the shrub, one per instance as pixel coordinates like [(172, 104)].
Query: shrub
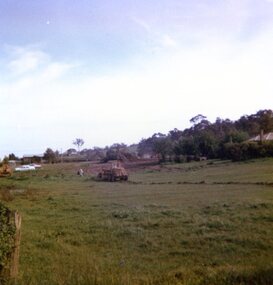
[(247, 150), (7, 232)]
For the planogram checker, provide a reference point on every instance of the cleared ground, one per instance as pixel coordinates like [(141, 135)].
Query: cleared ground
[(195, 223)]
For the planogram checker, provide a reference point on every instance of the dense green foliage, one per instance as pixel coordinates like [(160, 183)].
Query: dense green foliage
[(248, 150), (7, 231), (51, 156), (221, 139)]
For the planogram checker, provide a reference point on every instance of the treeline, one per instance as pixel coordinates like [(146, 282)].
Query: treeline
[(224, 139)]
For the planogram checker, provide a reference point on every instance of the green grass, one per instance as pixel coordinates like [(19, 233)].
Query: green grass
[(194, 223)]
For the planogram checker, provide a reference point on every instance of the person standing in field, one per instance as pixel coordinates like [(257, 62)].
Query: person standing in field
[(80, 172)]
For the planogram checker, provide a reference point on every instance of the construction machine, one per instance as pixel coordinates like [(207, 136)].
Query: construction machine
[(114, 173), (5, 170)]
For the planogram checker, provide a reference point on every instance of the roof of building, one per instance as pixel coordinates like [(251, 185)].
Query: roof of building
[(266, 137), (32, 155)]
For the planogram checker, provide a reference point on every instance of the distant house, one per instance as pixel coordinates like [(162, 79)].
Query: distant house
[(31, 158), (262, 137)]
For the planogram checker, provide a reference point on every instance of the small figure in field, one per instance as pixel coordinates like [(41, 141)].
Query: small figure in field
[(80, 172)]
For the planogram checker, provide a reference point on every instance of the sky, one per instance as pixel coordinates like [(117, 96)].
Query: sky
[(118, 71)]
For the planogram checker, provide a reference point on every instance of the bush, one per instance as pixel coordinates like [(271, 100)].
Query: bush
[(7, 232), (249, 150)]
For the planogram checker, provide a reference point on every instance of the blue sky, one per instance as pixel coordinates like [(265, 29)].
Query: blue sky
[(117, 71)]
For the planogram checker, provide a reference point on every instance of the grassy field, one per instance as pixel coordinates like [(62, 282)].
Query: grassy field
[(199, 223)]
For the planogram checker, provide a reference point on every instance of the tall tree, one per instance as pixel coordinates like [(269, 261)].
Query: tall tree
[(12, 156), (185, 146), (265, 119), (197, 119), (175, 134), (162, 146), (79, 143), (50, 156)]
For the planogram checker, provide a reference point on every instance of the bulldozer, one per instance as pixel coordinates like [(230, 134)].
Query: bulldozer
[(5, 170), (112, 174)]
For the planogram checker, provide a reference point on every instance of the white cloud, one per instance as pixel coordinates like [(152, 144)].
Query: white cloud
[(25, 59), (55, 70), (28, 89)]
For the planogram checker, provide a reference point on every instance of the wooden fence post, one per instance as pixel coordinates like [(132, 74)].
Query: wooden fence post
[(14, 260)]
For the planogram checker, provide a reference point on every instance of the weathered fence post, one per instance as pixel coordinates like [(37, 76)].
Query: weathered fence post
[(14, 261), (10, 224)]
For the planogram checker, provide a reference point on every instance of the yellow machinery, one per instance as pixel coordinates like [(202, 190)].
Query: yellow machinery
[(5, 170), (113, 174)]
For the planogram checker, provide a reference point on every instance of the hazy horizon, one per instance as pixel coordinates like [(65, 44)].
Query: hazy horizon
[(118, 71)]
